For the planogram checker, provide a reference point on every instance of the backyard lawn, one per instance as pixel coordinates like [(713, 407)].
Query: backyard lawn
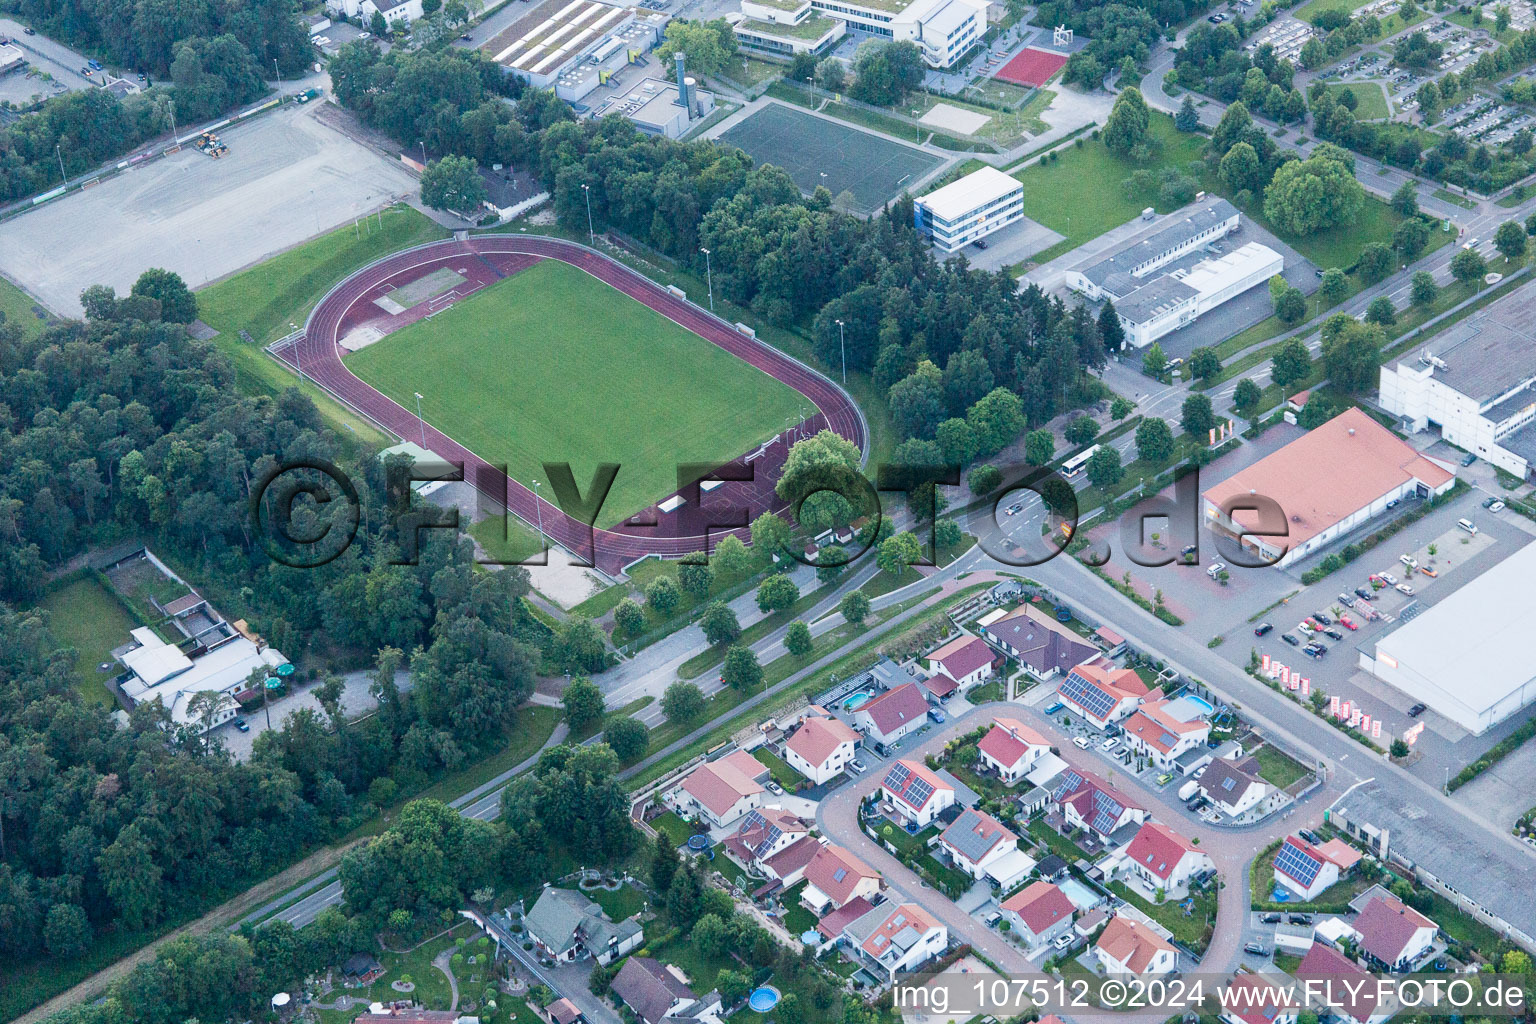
[(1192, 929), (1058, 844), (796, 918), (619, 904), (1277, 768), (779, 768), (676, 828), (86, 616)]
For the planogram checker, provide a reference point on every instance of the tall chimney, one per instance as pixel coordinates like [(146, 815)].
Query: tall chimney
[(682, 87)]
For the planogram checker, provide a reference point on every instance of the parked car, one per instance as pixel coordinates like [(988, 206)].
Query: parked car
[(242, 725), (1080, 742), (1320, 617), (1417, 710), (1346, 601), (980, 243), (1315, 653), (936, 715), (1290, 638), (87, 72), (1388, 579), (1270, 918), (1063, 940), (95, 65), (1393, 503), (857, 765), (1262, 628), (1405, 588), (1333, 633), (1467, 525), (1497, 506), (1469, 458), (1489, 501), (1299, 918), (1108, 744), (1215, 570), (1409, 561), (1427, 571), (1310, 836), (1348, 623), (1305, 627), (1363, 593), (1256, 948), (1057, 706)]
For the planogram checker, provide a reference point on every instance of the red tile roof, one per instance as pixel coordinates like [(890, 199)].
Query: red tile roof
[(819, 737), (1326, 964), (909, 792), (899, 918), (793, 857), (832, 924), (1159, 849), (1159, 730), (1329, 474), (1039, 905), (1009, 740), (1255, 999), (963, 655), (718, 785), (895, 708), (836, 872), (1385, 926), (1131, 943)]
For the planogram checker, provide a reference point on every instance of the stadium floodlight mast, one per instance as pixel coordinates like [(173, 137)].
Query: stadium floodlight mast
[(538, 512), (586, 190), (421, 422), (709, 278), (279, 73), (842, 344)]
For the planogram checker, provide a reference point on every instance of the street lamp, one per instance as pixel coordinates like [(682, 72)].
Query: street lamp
[(538, 512), (297, 363), (586, 190), (917, 130), (421, 422), (423, 145), (709, 278), (63, 176), (278, 71), (842, 344)]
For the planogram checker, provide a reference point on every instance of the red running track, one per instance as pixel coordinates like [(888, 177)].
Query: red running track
[(486, 258)]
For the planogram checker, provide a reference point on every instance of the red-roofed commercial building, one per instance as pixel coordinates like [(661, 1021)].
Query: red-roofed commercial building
[(918, 792), (1163, 738), (1255, 999), (965, 660), (722, 791), (821, 748), (1394, 934), (1011, 749), (1330, 978), (1130, 947), (1039, 912), (893, 714), (1163, 859), (834, 876), (1102, 694), (1328, 483)]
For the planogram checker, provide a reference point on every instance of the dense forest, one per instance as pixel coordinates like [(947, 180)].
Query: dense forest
[(123, 426), (213, 56)]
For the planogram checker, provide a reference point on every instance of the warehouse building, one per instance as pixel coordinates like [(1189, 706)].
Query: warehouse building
[(574, 46), (1469, 657), (1475, 384), (784, 28), (944, 30), (1329, 482), (972, 207), (1165, 276)]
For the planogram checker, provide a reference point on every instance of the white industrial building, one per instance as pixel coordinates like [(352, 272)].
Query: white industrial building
[(11, 57), (574, 46), (659, 107), (1160, 281), (394, 11), (1330, 482), (944, 30), (1469, 657), (972, 207), (157, 670), (1475, 384), (784, 28)]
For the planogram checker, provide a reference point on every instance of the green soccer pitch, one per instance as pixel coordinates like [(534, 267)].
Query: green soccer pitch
[(553, 365)]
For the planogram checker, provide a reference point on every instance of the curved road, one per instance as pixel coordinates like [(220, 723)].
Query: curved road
[(318, 351)]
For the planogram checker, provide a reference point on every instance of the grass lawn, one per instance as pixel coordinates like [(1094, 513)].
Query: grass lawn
[(1057, 844), (620, 904), (19, 308), (779, 769), (1316, 7), (1278, 768), (678, 830), (905, 841), (507, 539), (1193, 929), (1262, 883), (88, 617), (473, 391), (796, 918), (1446, 195), (431, 984), (988, 692), (1371, 97)]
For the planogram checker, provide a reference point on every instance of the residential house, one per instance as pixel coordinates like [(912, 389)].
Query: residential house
[(1233, 788), (656, 992), (764, 833), (788, 866), (561, 1011), (1011, 749), (833, 922), (834, 877), (1393, 934), (1039, 912), (1163, 859), (893, 714), (893, 938), (1038, 642), (1102, 694), (975, 841), (722, 791), (1329, 977), (1255, 999), (1161, 735), (821, 748), (565, 926), (1308, 870), (1130, 947), (1088, 802), (918, 793), (964, 661)]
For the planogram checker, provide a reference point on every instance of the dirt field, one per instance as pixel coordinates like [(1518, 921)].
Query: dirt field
[(286, 178)]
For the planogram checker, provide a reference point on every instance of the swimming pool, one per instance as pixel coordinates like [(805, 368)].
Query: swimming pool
[(1082, 897), (858, 700), (1205, 706), (763, 999)]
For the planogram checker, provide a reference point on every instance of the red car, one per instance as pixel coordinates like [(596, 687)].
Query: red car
[(1347, 622)]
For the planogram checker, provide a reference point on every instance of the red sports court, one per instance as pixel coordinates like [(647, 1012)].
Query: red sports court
[(1031, 67)]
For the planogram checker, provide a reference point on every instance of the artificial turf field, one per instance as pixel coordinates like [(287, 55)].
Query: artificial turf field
[(553, 365)]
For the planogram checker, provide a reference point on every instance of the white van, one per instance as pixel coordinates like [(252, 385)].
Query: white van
[(1467, 524)]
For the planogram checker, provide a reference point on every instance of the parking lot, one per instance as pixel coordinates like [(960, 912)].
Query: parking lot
[(287, 177), (44, 54)]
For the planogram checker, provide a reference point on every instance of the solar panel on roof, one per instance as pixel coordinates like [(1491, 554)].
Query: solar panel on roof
[(897, 778), (919, 792), (1087, 696), (1295, 862), (839, 874)]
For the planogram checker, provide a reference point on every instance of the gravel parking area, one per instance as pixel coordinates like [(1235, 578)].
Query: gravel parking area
[(286, 178)]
